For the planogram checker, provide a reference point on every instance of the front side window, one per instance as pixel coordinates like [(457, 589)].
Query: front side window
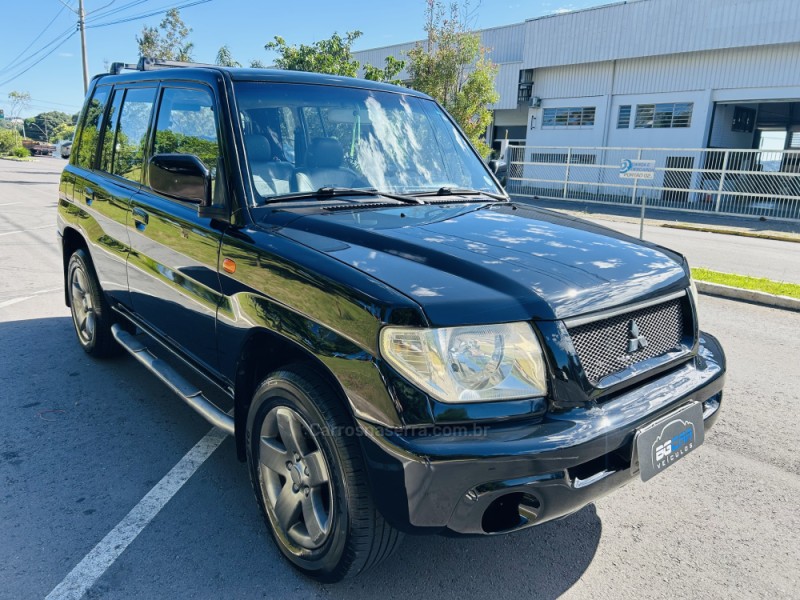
[(300, 138), (187, 125), (90, 133), (131, 135)]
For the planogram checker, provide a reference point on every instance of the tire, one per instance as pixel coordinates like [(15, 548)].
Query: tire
[(318, 508), (91, 315)]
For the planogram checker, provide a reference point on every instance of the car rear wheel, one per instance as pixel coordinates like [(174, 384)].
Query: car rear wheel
[(91, 314), (308, 476)]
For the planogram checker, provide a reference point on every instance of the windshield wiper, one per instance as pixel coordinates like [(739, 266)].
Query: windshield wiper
[(453, 191), (334, 192)]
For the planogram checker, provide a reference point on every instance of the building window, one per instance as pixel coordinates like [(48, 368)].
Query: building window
[(624, 117), (660, 116), (525, 89), (557, 118)]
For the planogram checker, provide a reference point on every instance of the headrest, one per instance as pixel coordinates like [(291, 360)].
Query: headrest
[(258, 147), (325, 153)]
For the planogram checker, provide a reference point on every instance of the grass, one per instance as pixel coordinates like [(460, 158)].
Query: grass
[(759, 284), (18, 159)]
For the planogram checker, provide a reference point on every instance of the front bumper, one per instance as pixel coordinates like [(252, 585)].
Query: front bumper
[(484, 480)]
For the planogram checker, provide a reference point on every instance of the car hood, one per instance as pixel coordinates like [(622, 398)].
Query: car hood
[(499, 262)]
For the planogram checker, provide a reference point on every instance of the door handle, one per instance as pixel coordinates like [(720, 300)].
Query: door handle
[(88, 195), (141, 218)]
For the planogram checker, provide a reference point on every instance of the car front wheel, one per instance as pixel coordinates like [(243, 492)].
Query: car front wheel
[(309, 479)]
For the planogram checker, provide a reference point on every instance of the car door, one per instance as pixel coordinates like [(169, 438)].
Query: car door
[(172, 266), (103, 202)]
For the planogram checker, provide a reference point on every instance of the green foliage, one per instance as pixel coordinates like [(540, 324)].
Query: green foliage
[(225, 58), (65, 131), (173, 142), (8, 140), (20, 152), (331, 56), (257, 64), (388, 74), (43, 126), (452, 67), (168, 41)]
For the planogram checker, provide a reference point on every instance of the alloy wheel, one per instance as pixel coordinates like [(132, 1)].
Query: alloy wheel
[(295, 480), (83, 309)]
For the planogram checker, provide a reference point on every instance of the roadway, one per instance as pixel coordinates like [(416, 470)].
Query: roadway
[(83, 441)]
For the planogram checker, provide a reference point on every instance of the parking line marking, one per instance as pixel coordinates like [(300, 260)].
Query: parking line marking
[(10, 203), (26, 230), (103, 555), (23, 298)]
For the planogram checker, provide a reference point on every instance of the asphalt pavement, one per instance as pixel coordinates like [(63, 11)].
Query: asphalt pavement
[(83, 441)]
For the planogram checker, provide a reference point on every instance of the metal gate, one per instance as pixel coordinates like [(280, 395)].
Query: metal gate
[(752, 183)]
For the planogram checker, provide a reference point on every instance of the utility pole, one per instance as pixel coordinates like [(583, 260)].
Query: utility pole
[(82, 27)]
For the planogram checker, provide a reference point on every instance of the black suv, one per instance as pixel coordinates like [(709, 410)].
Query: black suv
[(405, 349)]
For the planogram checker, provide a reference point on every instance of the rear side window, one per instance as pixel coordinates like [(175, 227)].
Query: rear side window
[(110, 132), (131, 135), (90, 133)]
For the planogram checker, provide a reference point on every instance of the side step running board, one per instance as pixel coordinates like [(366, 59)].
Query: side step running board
[(176, 382)]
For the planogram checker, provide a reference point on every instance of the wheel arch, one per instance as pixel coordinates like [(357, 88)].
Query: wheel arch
[(262, 353), (72, 240)]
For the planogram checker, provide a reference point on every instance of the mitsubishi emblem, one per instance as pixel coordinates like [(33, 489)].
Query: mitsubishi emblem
[(636, 341)]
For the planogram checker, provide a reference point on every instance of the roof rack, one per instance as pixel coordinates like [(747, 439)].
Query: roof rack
[(147, 63)]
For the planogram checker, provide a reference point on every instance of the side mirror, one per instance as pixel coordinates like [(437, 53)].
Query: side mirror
[(494, 165), (181, 176)]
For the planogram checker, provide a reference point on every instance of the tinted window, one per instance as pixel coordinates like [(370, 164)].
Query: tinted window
[(303, 137), (110, 132), (186, 125), (132, 132), (90, 134)]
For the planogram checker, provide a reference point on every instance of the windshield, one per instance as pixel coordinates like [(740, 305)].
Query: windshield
[(301, 138)]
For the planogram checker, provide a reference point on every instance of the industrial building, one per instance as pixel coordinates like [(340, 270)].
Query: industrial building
[(652, 73)]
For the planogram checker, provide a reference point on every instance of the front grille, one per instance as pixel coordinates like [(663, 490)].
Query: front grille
[(606, 346)]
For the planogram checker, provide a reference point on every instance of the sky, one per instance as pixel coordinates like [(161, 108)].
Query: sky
[(38, 30)]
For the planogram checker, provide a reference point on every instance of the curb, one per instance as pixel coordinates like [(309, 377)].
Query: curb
[(763, 236), (734, 293)]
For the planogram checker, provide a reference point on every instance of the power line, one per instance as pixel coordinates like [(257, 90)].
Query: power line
[(97, 14), (41, 33), (42, 49), (2, 83), (149, 14)]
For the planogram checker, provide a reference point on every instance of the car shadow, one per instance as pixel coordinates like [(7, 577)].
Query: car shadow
[(541, 562)]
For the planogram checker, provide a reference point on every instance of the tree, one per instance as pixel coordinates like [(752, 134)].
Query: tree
[(65, 131), (452, 67), (19, 102), (257, 64), (42, 127), (331, 56), (168, 41), (388, 74), (225, 58)]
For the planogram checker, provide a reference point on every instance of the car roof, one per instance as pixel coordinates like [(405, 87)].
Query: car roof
[(203, 73)]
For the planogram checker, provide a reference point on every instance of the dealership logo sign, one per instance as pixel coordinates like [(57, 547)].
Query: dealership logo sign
[(676, 439)]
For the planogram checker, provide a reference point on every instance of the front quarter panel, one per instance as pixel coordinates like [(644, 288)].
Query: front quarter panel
[(331, 311)]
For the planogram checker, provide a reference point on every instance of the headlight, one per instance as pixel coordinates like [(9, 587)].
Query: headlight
[(469, 364)]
